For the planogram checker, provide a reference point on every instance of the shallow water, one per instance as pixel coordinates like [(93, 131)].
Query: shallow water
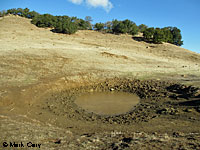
[(107, 103)]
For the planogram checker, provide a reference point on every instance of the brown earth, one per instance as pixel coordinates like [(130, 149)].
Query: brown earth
[(41, 73)]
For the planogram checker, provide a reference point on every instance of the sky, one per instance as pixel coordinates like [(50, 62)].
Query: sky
[(184, 14)]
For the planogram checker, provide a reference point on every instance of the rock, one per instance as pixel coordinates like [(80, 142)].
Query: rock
[(148, 107), (183, 76), (192, 118), (166, 111), (124, 145), (127, 140), (188, 110), (114, 146), (163, 111), (178, 134), (197, 93), (23, 90), (174, 96), (87, 134), (112, 89), (154, 133), (198, 109), (56, 141), (173, 111), (154, 116)]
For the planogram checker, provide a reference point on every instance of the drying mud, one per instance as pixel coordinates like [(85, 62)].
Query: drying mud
[(167, 115), (158, 98)]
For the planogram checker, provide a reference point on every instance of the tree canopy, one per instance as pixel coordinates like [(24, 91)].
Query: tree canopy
[(167, 34), (148, 34), (45, 20), (99, 26), (142, 27), (65, 25), (125, 26)]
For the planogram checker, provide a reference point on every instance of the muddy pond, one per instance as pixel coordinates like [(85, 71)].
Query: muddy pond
[(107, 103)]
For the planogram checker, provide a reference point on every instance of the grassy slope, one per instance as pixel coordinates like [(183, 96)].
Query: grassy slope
[(30, 54)]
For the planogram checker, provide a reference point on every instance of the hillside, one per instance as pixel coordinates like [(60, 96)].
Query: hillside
[(87, 52), (36, 63)]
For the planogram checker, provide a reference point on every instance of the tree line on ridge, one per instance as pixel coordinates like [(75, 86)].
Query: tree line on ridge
[(69, 25)]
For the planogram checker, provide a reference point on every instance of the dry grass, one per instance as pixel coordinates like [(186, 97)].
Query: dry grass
[(34, 63)]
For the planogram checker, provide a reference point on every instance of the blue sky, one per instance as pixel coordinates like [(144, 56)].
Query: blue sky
[(184, 14)]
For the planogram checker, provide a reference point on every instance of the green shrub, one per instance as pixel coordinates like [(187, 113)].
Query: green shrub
[(167, 34), (142, 28), (65, 25), (45, 20), (148, 34), (158, 36), (177, 38), (99, 26), (125, 26)]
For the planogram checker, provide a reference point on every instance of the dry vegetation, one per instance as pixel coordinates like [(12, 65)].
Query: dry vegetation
[(34, 63), (29, 53)]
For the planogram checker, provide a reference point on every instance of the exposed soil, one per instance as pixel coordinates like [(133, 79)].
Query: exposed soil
[(157, 99), (168, 115), (42, 73)]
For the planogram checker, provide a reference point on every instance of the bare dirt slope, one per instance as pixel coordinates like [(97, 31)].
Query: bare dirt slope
[(35, 63)]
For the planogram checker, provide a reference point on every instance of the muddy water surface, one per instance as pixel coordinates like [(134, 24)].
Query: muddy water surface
[(107, 103)]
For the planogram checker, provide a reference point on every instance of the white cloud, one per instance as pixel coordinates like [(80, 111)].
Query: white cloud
[(106, 4), (76, 1)]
